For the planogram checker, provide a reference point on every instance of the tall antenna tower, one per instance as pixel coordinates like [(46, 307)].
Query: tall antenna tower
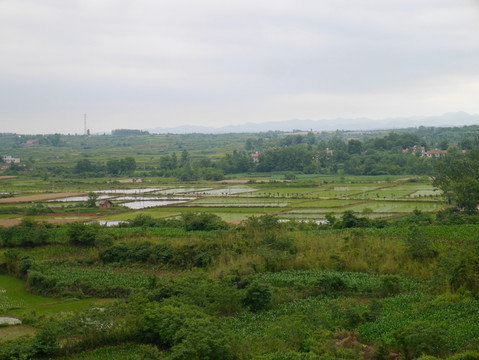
[(84, 124)]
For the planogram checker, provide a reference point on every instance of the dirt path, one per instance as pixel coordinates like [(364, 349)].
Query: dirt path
[(53, 220), (7, 177), (232, 181), (15, 331), (41, 197), (9, 222)]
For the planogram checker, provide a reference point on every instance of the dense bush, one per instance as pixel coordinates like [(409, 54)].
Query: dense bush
[(419, 246), (329, 284), (27, 233), (390, 285), (186, 329), (258, 296), (468, 355), (41, 283), (183, 256), (44, 343), (421, 338), (144, 220), (25, 264), (160, 323), (459, 271), (83, 234), (203, 221)]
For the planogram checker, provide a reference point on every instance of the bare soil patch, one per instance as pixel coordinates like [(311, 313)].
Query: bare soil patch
[(15, 331), (7, 177), (405, 179), (53, 220), (64, 220), (41, 197), (9, 222), (257, 181), (233, 181)]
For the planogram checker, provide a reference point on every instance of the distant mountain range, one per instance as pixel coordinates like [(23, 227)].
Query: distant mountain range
[(447, 120)]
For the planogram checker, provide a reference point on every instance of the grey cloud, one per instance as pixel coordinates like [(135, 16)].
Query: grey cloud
[(163, 56)]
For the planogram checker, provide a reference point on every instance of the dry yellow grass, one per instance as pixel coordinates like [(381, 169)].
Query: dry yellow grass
[(15, 331)]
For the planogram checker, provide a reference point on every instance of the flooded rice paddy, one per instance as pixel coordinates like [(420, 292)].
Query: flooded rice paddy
[(238, 201)]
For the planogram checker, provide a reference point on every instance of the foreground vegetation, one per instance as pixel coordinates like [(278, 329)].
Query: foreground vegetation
[(198, 287), (387, 269)]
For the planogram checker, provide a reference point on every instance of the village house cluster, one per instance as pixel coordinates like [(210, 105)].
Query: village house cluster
[(421, 151), (7, 160)]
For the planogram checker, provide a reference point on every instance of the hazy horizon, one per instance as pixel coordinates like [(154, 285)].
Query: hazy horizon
[(456, 119), (149, 64)]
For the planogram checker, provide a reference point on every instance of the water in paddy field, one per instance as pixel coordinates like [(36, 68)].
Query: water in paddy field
[(78, 199), (182, 190), (109, 223), (127, 191), (144, 204), (230, 190), (152, 198)]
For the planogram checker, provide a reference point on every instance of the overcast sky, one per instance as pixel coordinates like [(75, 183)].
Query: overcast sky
[(163, 63)]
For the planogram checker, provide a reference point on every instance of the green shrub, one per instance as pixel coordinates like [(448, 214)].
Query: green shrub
[(140, 253), (201, 339), (351, 316), (421, 339), (202, 259), (162, 254), (419, 246), (203, 221), (458, 272), (258, 296), (25, 347), (468, 355), (390, 285), (161, 323), (20, 348), (103, 240), (328, 283), (83, 234), (144, 221), (38, 209), (117, 253), (41, 283), (25, 264), (27, 233), (45, 342)]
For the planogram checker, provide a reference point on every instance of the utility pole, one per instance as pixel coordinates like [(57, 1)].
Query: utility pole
[(84, 124)]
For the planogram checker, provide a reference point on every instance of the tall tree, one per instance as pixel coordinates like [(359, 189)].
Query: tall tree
[(458, 177)]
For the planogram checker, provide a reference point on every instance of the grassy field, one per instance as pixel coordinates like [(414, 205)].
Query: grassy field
[(17, 302)]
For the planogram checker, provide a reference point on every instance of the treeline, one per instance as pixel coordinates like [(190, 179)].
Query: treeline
[(297, 158), (123, 166), (304, 159), (129, 132), (187, 169), (331, 153), (465, 138), (376, 156)]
